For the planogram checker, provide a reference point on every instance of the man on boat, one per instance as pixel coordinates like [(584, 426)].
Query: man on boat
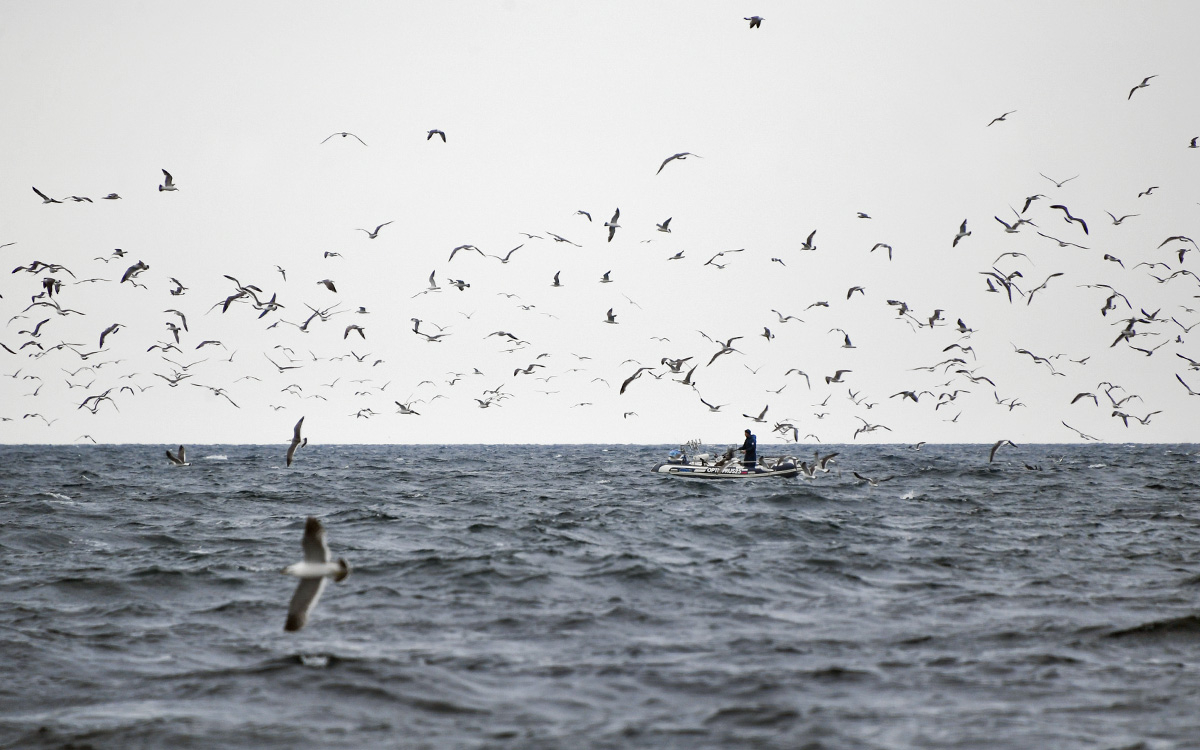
[(750, 448)]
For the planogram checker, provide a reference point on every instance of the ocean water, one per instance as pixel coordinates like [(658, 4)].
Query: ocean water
[(565, 597)]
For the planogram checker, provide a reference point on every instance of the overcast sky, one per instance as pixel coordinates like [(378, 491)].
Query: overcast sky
[(824, 111)]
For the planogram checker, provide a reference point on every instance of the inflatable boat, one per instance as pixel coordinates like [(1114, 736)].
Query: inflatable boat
[(688, 464)]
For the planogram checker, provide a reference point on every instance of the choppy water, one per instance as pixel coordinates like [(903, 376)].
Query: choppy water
[(564, 597)]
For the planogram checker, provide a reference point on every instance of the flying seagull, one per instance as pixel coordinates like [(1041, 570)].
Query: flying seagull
[(996, 447), (45, 198), (1069, 218), (1000, 118), (1145, 82), (755, 21), (360, 140), (373, 235), (312, 573), (962, 232), (296, 443), (612, 224), (1056, 182), (681, 156), (169, 183), (434, 132)]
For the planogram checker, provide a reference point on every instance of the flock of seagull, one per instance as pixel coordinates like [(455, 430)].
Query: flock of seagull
[(43, 340)]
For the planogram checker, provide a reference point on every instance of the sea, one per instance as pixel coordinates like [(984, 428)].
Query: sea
[(563, 596)]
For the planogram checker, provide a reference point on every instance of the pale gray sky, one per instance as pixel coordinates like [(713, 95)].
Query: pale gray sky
[(550, 108)]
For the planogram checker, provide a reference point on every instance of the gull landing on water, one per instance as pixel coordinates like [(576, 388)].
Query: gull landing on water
[(178, 459), (312, 572)]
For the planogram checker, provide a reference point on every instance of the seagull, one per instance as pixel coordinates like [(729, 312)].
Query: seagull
[(1081, 434), (1145, 82), (885, 246), (312, 573), (1056, 182), (755, 21), (556, 282), (45, 198), (612, 224), (869, 480), (115, 197), (1147, 191), (680, 156), (373, 235), (360, 140), (296, 442), (712, 407), (169, 183), (632, 378), (1193, 143), (1031, 199), (836, 377), (611, 317), (1116, 221), (434, 132), (996, 447), (585, 213), (962, 232), (664, 227), (1000, 118), (178, 459), (761, 415), (1069, 217), (328, 283), (1061, 243), (808, 243)]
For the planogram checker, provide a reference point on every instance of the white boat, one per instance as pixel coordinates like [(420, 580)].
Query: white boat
[(686, 463)]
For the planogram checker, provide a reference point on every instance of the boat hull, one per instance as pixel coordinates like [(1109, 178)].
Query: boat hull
[(714, 473)]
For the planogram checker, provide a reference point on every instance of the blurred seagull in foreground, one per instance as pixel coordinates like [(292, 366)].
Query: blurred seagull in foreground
[(312, 572)]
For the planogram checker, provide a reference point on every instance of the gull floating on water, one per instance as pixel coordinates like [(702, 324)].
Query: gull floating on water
[(312, 572)]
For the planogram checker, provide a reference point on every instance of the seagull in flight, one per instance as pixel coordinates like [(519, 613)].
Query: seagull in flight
[(1000, 118), (996, 447), (296, 442), (312, 572), (1116, 221), (360, 140), (434, 132), (1056, 182), (680, 156), (1069, 218), (755, 21), (962, 232), (1145, 82), (168, 183), (612, 224), (45, 198), (373, 235)]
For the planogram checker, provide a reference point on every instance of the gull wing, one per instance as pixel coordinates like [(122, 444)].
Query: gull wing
[(308, 591)]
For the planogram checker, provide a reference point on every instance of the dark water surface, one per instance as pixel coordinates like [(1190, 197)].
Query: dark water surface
[(564, 597)]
